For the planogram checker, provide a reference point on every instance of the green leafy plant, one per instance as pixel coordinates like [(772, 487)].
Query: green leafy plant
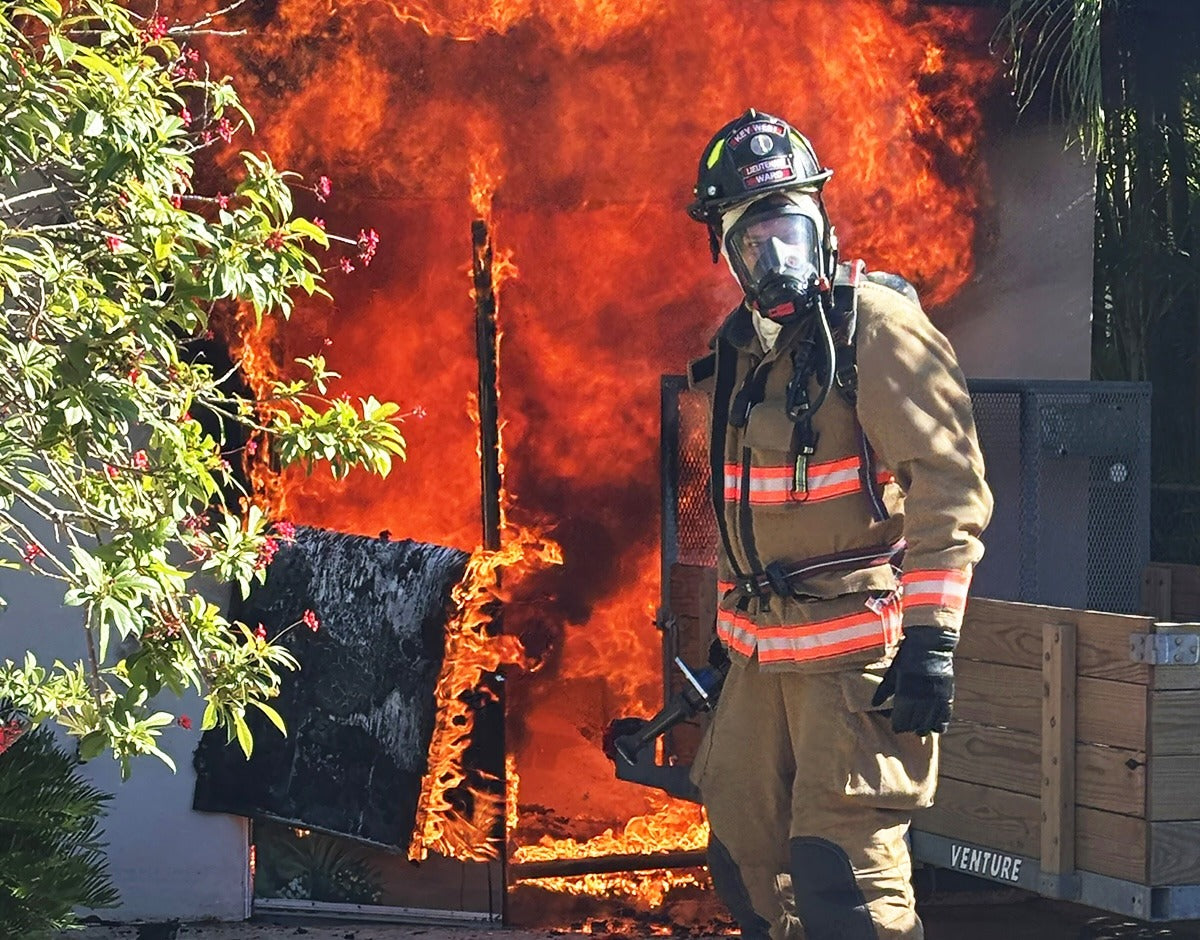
[(312, 866), (118, 435), (51, 857)]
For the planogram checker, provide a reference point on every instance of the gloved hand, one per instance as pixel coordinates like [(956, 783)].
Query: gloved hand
[(921, 677)]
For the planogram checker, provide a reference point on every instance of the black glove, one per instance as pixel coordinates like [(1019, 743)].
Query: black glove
[(921, 678)]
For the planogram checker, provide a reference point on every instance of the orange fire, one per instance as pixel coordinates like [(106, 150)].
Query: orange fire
[(472, 651), (577, 127)]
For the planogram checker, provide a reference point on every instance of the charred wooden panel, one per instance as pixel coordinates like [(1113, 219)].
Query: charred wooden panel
[(360, 711)]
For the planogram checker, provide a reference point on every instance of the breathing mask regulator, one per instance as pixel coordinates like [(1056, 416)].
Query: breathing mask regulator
[(758, 191)]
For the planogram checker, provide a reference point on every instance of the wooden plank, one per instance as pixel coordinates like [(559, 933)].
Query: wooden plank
[(693, 590), (984, 816), (1106, 778), (994, 694), (1174, 793), (1010, 633), (1172, 676), (1104, 645), (1156, 591), (1174, 720), (1185, 605), (1173, 856), (1058, 748), (1111, 844), (1002, 632), (1109, 778), (998, 757), (1112, 713), (1185, 591)]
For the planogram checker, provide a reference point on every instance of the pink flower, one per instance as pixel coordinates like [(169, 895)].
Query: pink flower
[(31, 552), (195, 522), (285, 530), (111, 472), (266, 554), (323, 188), (261, 632), (225, 130), (368, 242), (176, 201), (186, 116), (274, 240), (156, 28), (319, 223), (346, 265), (327, 342), (184, 722), (134, 374), (222, 200), (311, 621), (419, 411), (113, 242), (141, 461)]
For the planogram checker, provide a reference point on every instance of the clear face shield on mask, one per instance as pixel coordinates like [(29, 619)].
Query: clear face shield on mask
[(775, 252)]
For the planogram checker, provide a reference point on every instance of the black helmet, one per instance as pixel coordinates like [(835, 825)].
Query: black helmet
[(748, 157)]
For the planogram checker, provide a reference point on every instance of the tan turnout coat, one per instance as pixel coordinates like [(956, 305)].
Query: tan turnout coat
[(926, 470)]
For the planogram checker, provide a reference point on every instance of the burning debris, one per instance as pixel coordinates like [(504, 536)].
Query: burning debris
[(360, 712)]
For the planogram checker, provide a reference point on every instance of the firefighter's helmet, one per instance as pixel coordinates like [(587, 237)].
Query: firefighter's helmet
[(750, 156)]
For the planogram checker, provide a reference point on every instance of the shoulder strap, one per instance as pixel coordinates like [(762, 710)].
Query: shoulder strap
[(725, 366), (844, 323)]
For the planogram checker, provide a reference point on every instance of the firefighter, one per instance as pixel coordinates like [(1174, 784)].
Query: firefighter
[(850, 498)]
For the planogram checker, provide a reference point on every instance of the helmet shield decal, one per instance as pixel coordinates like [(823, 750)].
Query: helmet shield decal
[(776, 253)]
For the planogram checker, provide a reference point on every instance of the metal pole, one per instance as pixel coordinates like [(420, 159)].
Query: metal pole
[(607, 864)]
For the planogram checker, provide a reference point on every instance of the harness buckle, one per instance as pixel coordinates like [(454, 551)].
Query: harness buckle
[(778, 579)]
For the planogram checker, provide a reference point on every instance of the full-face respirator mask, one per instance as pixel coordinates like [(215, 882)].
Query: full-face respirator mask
[(776, 251)]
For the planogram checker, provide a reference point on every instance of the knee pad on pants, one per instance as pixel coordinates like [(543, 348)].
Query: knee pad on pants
[(828, 900), (730, 888)]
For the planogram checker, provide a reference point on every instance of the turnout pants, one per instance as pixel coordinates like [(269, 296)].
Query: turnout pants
[(809, 795)]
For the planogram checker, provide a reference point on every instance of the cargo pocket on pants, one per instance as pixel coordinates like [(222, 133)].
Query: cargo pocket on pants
[(878, 767)]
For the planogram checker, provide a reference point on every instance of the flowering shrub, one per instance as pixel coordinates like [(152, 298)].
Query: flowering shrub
[(111, 267)]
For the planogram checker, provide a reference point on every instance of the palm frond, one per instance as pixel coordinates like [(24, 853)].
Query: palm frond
[(1054, 47), (51, 857)]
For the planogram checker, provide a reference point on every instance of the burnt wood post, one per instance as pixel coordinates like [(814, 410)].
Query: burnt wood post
[(491, 484), (487, 349)]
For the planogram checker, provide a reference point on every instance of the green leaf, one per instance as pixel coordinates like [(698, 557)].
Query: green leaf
[(245, 738), (276, 718), (209, 721), (93, 124), (92, 745)]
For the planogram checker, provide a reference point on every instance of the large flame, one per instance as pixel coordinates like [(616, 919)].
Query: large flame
[(473, 650), (576, 125)]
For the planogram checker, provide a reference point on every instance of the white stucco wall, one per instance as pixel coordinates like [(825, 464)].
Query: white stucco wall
[(1027, 311), (166, 860)]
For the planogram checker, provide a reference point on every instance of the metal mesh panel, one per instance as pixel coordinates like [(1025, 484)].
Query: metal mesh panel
[(1069, 466), (1068, 463), (697, 527)]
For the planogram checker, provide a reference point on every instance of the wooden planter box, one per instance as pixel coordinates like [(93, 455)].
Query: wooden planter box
[(1072, 768)]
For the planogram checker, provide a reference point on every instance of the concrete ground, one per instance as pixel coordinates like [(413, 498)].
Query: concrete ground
[(965, 919)]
